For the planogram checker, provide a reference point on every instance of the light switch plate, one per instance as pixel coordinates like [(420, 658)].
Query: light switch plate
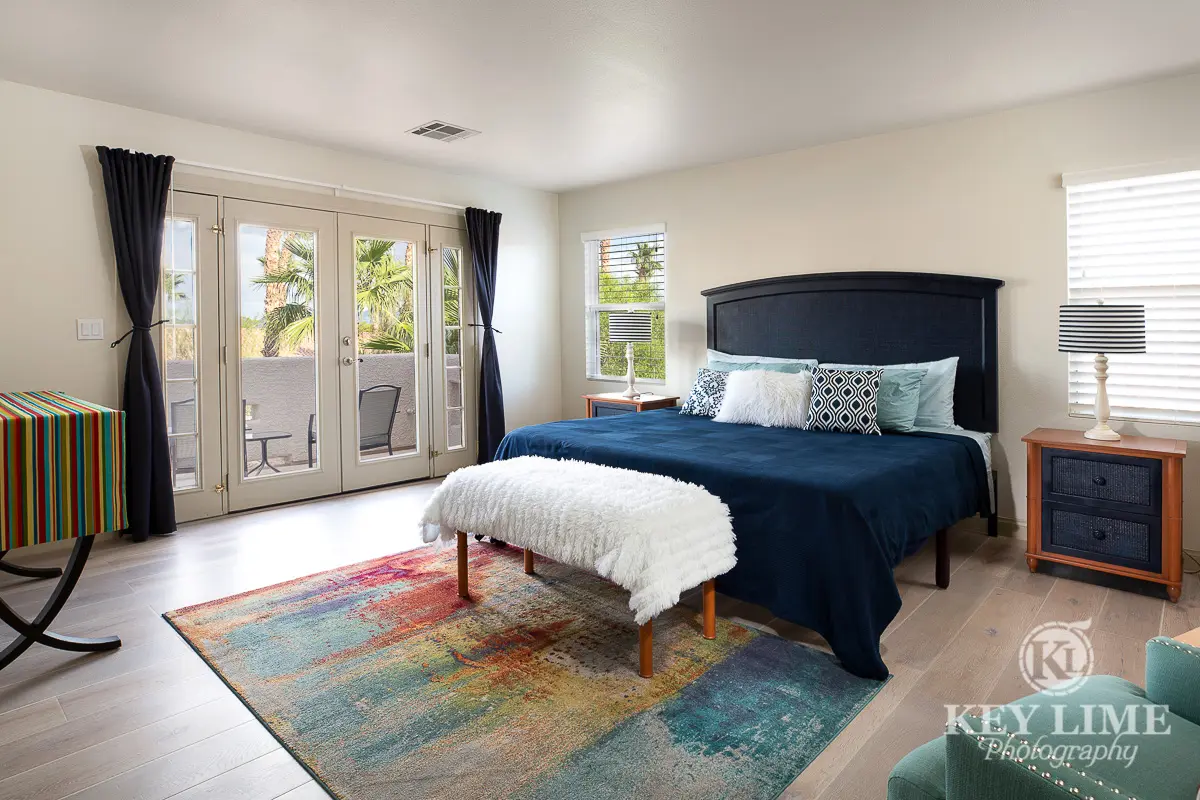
[(88, 329)]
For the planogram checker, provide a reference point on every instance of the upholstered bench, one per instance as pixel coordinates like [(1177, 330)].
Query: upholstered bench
[(653, 535)]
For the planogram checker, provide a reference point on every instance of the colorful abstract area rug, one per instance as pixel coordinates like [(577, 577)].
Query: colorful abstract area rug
[(385, 684)]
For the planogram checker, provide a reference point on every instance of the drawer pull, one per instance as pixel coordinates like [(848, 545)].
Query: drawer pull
[(1098, 534), (1099, 480)]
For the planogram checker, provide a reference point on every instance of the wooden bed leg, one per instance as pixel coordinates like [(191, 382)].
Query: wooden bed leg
[(709, 591), (646, 649), (528, 561), (943, 558), (462, 566)]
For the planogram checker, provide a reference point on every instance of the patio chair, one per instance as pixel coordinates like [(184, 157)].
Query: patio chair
[(376, 418), (182, 419)]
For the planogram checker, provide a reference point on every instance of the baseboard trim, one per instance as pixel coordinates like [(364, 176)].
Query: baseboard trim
[(1012, 528)]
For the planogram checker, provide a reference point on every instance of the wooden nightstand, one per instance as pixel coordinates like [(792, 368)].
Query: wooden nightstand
[(612, 403), (1115, 507)]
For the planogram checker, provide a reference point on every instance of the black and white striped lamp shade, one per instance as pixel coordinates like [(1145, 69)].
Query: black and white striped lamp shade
[(1102, 329), (628, 327)]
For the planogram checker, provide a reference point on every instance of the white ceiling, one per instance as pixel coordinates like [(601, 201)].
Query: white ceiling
[(576, 92)]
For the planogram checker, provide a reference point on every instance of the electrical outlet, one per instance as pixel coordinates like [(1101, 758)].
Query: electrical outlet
[(89, 329)]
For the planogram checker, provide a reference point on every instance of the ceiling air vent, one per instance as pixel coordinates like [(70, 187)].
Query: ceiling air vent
[(443, 131)]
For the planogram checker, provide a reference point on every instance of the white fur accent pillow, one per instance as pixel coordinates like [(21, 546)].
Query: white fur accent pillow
[(770, 399)]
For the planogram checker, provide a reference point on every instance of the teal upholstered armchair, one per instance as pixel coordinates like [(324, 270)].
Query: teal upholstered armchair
[(1107, 739)]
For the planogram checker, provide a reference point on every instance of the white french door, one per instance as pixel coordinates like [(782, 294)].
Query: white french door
[(453, 344), (385, 387), (309, 352), (189, 348), (281, 353)]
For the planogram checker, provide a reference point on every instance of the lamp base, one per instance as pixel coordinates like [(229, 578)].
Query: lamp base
[(1103, 433), (629, 392)]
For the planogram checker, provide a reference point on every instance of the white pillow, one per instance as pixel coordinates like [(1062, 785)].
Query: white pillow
[(770, 399)]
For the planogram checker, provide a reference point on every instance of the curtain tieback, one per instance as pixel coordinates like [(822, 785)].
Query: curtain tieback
[(129, 332), (485, 327)]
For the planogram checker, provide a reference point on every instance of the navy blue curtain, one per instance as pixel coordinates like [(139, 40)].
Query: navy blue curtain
[(136, 186), (483, 232)]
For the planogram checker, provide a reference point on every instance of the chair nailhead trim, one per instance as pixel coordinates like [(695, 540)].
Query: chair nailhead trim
[(1033, 767), (1164, 642)]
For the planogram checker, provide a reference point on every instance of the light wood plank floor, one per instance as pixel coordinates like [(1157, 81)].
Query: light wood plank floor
[(150, 721)]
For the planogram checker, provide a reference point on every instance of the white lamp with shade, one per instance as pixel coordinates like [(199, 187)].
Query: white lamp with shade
[(629, 328), (1102, 329)]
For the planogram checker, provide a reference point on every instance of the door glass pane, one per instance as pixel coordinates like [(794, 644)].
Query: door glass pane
[(178, 302), (278, 273), (452, 343), (181, 433), (387, 371)]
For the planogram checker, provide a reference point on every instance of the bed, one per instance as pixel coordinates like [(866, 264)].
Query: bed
[(822, 519)]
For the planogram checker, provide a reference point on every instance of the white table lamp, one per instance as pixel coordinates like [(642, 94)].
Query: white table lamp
[(629, 328), (1102, 329)]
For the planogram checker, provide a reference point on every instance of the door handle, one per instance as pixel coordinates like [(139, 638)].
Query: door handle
[(348, 361)]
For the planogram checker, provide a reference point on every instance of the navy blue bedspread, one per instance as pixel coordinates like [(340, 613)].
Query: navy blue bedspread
[(821, 518)]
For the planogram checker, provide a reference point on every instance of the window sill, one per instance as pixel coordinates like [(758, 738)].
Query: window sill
[(622, 379), (1137, 420)]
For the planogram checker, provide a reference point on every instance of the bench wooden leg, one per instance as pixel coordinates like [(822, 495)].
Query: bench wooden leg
[(709, 591), (462, 566), (646, 650), (528, 561)]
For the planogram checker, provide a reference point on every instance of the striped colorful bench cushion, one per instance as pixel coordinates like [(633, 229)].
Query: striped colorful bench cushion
[(62, 468)]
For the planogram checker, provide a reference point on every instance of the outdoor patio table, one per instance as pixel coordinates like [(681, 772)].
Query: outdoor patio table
[(62, 476), (263, 437)]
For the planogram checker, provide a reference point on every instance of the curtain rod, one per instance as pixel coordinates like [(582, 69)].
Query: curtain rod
[(335, 187)]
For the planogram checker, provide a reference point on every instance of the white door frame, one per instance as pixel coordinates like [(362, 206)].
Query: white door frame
[(223, 359)]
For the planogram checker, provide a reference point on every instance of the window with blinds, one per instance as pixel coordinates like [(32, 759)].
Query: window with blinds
[(1137, 240), (626, 271)]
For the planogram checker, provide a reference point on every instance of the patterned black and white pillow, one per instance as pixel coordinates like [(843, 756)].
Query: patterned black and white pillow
[(845, 400), (707, 394)]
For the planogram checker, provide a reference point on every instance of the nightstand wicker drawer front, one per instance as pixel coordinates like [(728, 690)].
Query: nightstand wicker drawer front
[(1127, 540), (1133, 482), (602, 409)]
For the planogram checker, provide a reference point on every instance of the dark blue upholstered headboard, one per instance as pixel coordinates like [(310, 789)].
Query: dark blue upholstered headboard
[(870, 318)]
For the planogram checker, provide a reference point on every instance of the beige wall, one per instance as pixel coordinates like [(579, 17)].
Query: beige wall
[(56, 261), (979, 196)]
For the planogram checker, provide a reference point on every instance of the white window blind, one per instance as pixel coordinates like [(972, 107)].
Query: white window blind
[(626, 271), (1137, 240)]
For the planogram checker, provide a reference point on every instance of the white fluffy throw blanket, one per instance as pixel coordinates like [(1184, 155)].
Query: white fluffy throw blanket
[(650, 534)]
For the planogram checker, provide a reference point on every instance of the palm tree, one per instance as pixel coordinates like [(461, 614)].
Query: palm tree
[(399, 338), (173, 293), (383, 295), (273, 258), (452, 313), (646, 260), (290, 321)]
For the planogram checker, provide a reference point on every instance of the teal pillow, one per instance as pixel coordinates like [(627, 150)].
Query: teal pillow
[(790, 367), (899, 395)]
